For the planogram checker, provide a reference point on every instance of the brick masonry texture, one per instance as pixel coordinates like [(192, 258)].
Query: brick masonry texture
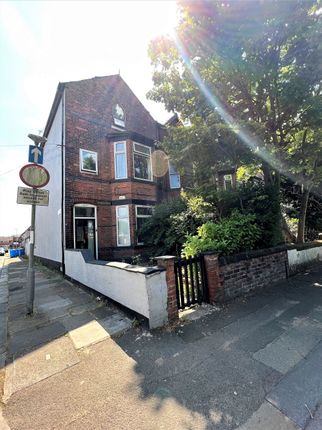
[(168, 265), (88, 121), (247, 275)]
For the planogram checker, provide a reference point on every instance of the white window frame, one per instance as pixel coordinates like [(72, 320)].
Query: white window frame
[(141, 216), (117, 228), (174, 174), (119, 122), (144, 155), (231, 181), (120, 152), (85, 205), (95, 172)]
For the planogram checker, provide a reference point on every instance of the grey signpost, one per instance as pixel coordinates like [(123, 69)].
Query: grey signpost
[(31, 270), (35, 181)]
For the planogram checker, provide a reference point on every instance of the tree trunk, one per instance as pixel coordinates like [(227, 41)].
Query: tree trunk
[(288, 235), (267, 172), (302, 215)]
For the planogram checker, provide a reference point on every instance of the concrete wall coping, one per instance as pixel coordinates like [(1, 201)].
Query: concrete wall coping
[(165, 257), (118, 265), (307, 245)]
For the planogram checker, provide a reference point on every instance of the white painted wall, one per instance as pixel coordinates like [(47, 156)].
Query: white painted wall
[(299, 258), (48, 218), (27, 247), (143, 293)]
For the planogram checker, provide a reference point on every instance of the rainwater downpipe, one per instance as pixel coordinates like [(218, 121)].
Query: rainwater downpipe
[(63, 240)]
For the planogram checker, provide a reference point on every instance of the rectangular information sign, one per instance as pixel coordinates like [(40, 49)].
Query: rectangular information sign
[(32, 196)]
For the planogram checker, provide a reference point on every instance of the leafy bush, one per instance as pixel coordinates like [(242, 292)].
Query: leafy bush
[(251, 197), (231, 235), (171, 223)]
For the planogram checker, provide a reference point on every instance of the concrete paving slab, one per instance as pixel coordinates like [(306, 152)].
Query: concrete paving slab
[(18, 298), (71, 322), (3, 295), (88, 334), (79, 309), (40, 364), (28, 339), (316, 314), (3, 332), (16, 311), (3, 422), (53, 304), (2, 361), (54, 314), (300, 391), (26, 322), (116, 324), (267, 417), (292, 346), (103, 312), (260, 337), (316, 422)]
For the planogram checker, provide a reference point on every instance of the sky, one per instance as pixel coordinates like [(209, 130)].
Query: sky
[(43, 43)]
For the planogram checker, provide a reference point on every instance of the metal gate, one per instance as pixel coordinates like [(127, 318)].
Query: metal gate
[(191, 281)]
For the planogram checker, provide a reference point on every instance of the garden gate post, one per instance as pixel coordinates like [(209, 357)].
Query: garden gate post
[(167, 262), (215, 290)]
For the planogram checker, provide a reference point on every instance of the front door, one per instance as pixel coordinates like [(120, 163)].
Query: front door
[(85, 235), (85, 228)]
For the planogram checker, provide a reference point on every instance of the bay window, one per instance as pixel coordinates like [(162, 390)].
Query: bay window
[(123, 226), (142, 214)]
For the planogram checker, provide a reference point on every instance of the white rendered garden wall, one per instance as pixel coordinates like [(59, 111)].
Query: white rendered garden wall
[(144, 290)]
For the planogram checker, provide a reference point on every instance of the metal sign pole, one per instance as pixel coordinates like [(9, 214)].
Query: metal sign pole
[(31, 270)]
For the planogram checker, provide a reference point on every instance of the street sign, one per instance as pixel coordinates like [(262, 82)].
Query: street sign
[(36, 154), (32, 196), (34, 175)]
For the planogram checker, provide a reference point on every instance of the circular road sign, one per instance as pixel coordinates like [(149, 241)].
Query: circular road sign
[(34, 175)]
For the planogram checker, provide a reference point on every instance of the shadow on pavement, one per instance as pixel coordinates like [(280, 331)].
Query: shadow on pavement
[(213, 373)]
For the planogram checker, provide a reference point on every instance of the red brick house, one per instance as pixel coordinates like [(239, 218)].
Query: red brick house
[(100, 154)]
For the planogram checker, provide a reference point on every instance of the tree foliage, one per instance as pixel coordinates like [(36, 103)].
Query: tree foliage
[(166, 231), (247, 75)]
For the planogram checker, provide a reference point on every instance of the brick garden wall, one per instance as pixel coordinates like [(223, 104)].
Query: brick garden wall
[(243, 273)]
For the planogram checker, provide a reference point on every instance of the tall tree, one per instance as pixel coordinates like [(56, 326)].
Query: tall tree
[(254, 66)]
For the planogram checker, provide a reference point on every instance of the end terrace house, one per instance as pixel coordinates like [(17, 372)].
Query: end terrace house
[(99, 153)]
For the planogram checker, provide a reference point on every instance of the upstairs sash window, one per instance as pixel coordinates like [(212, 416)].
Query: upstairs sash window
[(142, 162), (120, 160), (88, 161), (174, 176)]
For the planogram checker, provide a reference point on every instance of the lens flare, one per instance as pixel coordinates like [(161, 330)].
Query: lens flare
[(248, 139)]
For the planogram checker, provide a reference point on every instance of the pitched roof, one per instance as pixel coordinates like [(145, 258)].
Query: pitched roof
[(111, 84)]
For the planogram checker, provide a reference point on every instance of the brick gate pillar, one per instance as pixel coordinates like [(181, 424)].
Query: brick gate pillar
[(215, 290), (167, 262)]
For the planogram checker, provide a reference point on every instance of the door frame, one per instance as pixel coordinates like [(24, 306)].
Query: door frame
[(85, 205)]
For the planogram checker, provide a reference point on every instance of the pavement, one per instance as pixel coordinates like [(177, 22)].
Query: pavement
[(80, 363)]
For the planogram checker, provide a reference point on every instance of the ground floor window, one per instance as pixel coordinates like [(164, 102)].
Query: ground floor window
[(85, 228), (142, 214), (123, 226)]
